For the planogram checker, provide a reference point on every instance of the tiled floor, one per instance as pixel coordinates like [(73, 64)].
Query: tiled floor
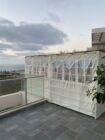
[(51, 122), (32, 98)]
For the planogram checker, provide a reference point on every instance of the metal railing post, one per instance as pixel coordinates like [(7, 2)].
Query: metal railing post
[(25, 89)]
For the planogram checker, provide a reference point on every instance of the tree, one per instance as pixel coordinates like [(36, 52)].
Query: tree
[(99, 93)]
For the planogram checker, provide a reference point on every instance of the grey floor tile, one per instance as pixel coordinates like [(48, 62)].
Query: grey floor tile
[(100, 128), (51, 122)]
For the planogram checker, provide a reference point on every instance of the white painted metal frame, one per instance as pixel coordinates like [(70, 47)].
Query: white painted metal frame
[(70, 94)]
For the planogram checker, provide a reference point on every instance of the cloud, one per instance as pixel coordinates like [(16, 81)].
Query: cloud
[(64, 4), (54, 17), (26, 36), (4, 46), (60, 2), (9, 52), (22, 46), (5, 22)]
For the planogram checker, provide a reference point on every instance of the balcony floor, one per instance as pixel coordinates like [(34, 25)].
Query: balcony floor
[(32, 98), (51, 122)]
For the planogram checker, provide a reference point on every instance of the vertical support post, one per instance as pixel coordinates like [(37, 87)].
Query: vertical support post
[(49, 75), (84, 71), (69, 75), (43, 89), (76, 71), (32, 65), (40, 70), (25, 89), (63, 71), (49, 67), (25, 66)]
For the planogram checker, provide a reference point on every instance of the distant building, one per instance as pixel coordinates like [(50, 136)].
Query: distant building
[(98, 39)]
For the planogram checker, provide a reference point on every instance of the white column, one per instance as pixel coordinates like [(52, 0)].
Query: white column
[(49, 76), (69, 75), (63, 71), (84, 72), (76, 71), (40, 70), (32, 61), (49, 67), (26, 67)]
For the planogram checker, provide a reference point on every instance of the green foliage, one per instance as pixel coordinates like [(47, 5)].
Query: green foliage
[(100, 79)]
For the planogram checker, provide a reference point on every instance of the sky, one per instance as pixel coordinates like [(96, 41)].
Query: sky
[(48, 26)]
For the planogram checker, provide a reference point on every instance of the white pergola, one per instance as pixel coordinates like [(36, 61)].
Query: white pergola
[(68, 77)]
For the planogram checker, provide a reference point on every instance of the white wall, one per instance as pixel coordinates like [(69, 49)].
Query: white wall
[(71, 95)]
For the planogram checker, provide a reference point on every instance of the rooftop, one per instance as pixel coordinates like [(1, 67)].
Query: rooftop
[(64, 53), (51, 122), (98, 30)]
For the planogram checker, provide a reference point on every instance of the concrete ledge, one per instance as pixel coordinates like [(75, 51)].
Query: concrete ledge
[(10, 100), (20, 108)]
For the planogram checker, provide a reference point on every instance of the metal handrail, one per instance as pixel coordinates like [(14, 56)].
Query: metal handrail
[(21, 78)]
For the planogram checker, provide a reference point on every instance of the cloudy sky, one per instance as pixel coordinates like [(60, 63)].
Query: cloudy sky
[(30, 26)]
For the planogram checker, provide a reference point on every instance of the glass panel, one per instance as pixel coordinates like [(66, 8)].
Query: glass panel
[(60, 72), (81, 64), (81, 67), (22, 91), (37, 86), (55, 69), (89, 79), (55, 75), (60, 69), (42, 70), (30, 70), (81, 79), (72, 70), (60, 76), (66, 77), (89, 71), (29, 61), (46, 72), (72, 73), (12, 94), (66, 69), (29, 86), (88, 63), (10, 86), (35, 70), (72, 77), (35, 89), (88, 67)]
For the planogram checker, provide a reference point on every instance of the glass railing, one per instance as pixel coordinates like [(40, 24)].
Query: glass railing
[(35, 88), (10, 86), (20, 92)]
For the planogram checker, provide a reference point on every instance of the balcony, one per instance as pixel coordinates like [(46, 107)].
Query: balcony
[(38, 119), (18, 93)]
